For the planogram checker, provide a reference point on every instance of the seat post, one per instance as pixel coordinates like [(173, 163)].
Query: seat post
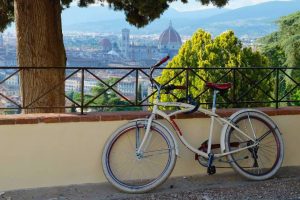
[(212, 123), (214, 100)]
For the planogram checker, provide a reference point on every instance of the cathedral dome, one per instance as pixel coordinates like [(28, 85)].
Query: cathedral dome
[(169, 39), (105, 45)]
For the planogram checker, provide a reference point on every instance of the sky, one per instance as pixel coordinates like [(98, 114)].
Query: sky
[(194, 5)]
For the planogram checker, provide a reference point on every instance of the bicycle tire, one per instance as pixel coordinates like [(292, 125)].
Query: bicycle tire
[(249, 163), (132, 184)]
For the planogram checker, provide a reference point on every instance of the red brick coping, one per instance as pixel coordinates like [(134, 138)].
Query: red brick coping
[(115, 116)]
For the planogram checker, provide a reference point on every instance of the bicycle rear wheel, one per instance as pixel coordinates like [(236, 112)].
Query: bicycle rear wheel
[(134, 173), (263, 160)]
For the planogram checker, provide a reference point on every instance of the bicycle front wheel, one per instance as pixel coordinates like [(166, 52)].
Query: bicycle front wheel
[(263, 160), (134, 173)]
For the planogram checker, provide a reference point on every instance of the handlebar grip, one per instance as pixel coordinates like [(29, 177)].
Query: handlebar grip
[(180, 87), (162, 61), (169, 88)]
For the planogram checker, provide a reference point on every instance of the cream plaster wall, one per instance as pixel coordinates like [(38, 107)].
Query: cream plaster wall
[(43, 155)]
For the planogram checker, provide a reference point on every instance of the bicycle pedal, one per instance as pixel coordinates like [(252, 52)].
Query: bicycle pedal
[(211, 170)]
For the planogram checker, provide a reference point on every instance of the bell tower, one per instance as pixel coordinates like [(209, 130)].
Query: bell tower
[(125, 42)]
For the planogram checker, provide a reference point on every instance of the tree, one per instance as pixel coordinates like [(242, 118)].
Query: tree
[(40, 41), (284, 43), (290, 38), (224, 52), (273, 50), (283, 49), (296, 96)]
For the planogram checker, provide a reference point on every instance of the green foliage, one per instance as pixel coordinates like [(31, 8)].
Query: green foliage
[(273, 50), (283, 50), (138, 13), (296, 96), (106, 98), (290, 38), (216, 57), (6, 13), (283, 46)]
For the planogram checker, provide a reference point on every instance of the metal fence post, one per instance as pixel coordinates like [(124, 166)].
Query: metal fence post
[(187, 83), (277, 88), (136, 86), (82, 91), (234, 86)]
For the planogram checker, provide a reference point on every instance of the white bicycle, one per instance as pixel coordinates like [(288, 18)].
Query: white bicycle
[(141, 154)]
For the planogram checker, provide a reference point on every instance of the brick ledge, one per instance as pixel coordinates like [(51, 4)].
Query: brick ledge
[(116, 116)]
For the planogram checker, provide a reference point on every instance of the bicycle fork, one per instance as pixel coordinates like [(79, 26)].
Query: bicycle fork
[(140, 147)]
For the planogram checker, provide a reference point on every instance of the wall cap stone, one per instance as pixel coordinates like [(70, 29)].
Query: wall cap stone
[(123, 115)]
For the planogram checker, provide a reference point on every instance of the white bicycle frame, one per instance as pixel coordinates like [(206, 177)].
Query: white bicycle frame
[(188, 107)]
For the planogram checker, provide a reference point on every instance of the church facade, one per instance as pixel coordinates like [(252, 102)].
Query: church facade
[(168, 44)]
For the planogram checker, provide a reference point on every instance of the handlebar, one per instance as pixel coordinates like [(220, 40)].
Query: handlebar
[(157, 65), (194, 110), (169, 88), (192, 101), (161, 61)]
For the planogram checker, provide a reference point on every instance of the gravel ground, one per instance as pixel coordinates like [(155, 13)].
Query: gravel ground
[(285, 185)]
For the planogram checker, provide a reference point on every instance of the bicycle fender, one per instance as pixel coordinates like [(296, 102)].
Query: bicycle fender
[(226, 126), (165, 129), (222, 138)]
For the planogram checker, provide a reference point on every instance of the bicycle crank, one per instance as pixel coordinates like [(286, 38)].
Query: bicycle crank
[(215, 148)]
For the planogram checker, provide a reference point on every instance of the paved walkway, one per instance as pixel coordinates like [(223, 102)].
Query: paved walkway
[(285, 185)]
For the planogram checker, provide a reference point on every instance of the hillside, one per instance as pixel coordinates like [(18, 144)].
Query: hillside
[(254, 20)]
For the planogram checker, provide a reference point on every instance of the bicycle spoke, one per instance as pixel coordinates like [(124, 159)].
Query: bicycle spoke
[(265, 143), (131, 171), (264, 135), (160, 152), (131, 144), (266, 157), (261, 162), (251, 127), (268, 150)]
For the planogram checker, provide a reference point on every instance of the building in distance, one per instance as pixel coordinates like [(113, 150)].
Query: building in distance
[(168, 44)]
